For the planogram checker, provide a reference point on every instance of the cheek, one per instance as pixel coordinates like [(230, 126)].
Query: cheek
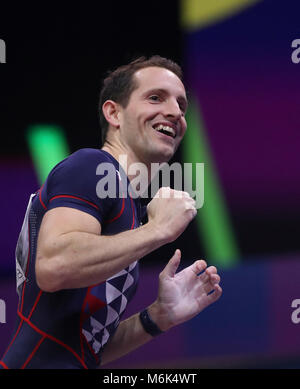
[(129, 124), (183, 127)]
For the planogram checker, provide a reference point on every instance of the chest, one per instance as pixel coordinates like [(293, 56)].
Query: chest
[(124, 215)]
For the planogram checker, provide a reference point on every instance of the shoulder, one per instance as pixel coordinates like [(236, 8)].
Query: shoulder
[(78, 169), (84, 157), (83, 162), (74, 182)]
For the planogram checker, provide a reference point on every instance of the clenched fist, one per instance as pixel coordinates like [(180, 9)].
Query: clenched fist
[(170, 211)]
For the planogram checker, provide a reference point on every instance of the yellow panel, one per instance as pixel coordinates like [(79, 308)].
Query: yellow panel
[(197, 14)]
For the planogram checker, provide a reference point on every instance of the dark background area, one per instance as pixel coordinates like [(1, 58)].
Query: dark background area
[(57, 56)]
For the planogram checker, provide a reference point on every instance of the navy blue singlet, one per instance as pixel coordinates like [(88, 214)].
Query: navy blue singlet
[(68, 329)]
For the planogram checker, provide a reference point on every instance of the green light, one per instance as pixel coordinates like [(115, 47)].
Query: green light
[(212, 219), (48, 146)]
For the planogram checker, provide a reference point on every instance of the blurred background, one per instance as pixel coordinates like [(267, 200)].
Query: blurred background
[(243, 123)]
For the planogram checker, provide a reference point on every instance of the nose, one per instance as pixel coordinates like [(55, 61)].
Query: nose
[(172, 109)]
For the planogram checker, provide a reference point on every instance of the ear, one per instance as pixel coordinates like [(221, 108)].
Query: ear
[(111, 110)]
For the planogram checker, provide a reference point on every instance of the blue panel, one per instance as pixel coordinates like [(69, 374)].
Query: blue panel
[(238, 322)]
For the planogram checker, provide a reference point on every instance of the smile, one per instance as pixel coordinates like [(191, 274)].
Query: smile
[(166, 130)]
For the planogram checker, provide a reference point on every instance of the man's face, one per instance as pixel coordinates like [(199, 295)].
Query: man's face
[(153, 123)]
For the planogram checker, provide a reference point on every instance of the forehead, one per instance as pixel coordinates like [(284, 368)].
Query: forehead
[(159, 78)]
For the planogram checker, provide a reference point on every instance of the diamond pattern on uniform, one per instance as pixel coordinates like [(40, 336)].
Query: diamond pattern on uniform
[(117, 290), (112, 315), (121, 273), (116, 304), (123, 304), (105, 337), (129, 281), (132, 266), (91, 336), (111, 293)]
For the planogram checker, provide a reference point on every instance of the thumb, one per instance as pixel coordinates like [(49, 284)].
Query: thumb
[(173, 264)]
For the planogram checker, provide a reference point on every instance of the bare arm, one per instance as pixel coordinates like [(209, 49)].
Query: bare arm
[(72, 253), (129, 336)]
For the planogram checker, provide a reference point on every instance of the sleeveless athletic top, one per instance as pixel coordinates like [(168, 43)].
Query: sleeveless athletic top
[(68, 329)]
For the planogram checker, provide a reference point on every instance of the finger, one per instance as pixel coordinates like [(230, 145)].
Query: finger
[(211, 270), (193, 212), (172, 266), (215, 294), (206, 274), (208, 288), (214, 279), (198, 266), (212, 284), (211, 296), (189, 205), (163, 192), (180, 195)]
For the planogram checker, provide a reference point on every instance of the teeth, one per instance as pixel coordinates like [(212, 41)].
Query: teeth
[(167, 129)]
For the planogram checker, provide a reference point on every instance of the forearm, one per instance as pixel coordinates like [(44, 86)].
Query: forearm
[(130, 335), (80, 259)]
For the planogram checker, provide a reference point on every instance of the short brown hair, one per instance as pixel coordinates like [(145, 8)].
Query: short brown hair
[(119, 84)]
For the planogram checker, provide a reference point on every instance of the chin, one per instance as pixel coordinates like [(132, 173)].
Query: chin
[(162, 156)]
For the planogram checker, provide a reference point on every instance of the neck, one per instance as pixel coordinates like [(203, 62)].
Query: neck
[(134, 167)]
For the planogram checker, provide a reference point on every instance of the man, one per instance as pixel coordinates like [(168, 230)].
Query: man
[(78, 252)]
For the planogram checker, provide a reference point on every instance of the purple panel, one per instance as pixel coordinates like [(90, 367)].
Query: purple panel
[(285, 287), (9, 295), (248, 90), (18, 181), (255, 141)]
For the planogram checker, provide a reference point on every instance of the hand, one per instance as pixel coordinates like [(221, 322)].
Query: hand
[(183, 295), (170, 211)]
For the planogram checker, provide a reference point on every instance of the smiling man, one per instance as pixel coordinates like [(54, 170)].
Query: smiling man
[(152, 124), (78, 253)]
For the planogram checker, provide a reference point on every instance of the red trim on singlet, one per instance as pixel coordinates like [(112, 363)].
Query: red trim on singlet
[(13, 339), (40, 197), (4, 365), (119, 214), (35, 304), (33, 352), (77, 198), (122, 208), (81, 336), (83, 317), (133, 216), (48, 336)]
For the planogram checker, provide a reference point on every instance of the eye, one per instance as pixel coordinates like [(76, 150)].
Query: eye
[(155, 98), (182, 107)]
